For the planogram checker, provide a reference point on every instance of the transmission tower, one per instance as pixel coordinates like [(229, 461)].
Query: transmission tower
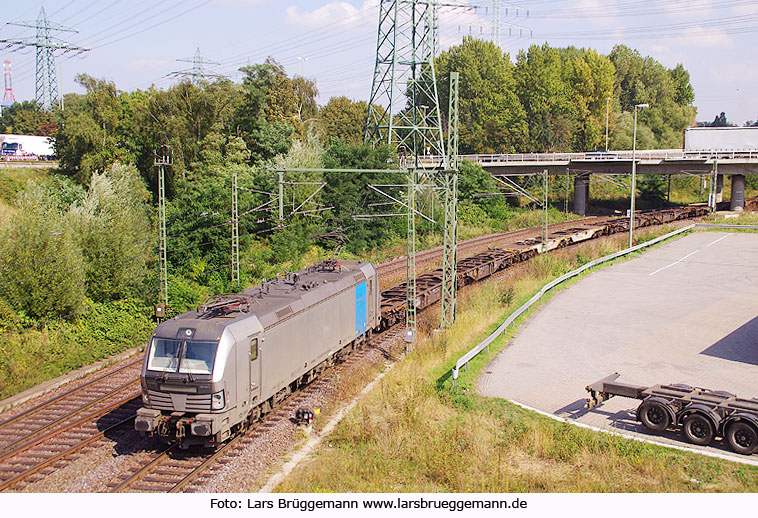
[(501, 9), (199, 71), (404, 105), (46, 91), (8, 97)]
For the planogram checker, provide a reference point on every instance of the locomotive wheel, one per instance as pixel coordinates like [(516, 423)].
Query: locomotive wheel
[(654, 416), (698, 429), (742, 437)]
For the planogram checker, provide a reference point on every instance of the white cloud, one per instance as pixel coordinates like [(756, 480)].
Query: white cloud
[(333, 15), (238, 3), (699, 36), (146, 64)]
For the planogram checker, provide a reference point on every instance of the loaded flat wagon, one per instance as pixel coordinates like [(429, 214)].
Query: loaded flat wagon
[(702, 414)]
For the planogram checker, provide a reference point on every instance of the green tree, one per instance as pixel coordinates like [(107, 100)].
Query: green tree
[(344, 119), (88, 139), (564, 92), (269, 110), (25, 118), (350, 195), (472, 179), (492, 119), (668, 93), (112, 227)]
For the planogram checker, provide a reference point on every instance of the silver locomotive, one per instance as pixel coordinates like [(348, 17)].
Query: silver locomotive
[(209, 373)]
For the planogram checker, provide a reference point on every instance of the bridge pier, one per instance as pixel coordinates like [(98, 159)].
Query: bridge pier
[(719, 188), (738, 192), (581, 193)]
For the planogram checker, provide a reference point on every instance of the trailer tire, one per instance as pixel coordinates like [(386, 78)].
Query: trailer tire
[(654, 415), (698, 429), (742, 437)]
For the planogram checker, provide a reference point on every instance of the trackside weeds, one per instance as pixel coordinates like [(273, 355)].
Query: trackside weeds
[(413, 434)]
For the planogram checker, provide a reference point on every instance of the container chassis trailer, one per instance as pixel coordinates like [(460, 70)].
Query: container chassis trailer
[(702, 414)]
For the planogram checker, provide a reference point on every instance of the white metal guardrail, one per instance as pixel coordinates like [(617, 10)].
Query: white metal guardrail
[(602, 156), (485, 344)]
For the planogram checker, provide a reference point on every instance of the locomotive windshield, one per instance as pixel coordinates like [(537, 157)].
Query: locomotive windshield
[(185, 357)]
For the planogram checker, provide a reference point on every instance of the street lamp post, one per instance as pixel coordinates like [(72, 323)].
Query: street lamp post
[(607, 113), (302, 61), (634, 173)]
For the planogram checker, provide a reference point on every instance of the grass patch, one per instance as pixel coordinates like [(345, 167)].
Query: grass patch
[(744, 218), (413, 434)]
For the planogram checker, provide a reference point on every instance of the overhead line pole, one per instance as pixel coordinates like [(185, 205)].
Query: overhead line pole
[(235, 232), (160, 161), (449, 298)]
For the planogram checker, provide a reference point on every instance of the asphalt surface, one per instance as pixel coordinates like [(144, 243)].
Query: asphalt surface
[(685, 312)]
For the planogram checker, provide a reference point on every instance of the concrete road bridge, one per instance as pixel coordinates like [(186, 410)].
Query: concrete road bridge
[(717, 163)]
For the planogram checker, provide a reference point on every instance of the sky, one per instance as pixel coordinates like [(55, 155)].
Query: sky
[(138, 43)]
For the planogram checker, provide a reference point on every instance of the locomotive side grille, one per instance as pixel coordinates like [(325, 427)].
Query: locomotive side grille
[(160, 400), (192, 402), (200, 403)]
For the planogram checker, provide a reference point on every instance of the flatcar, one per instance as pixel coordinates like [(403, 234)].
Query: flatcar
[(209, 373)]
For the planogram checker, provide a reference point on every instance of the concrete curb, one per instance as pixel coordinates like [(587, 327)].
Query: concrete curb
[(53, 384)]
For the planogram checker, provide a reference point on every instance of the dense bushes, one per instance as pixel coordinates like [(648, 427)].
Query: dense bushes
[(63, 245)]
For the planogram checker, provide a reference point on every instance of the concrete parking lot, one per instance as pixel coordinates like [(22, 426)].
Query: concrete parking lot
[(684, 312)]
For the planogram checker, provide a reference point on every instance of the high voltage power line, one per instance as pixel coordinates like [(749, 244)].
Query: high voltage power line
[(46, 89)]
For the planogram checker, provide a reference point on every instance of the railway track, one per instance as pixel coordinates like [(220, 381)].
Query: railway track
[(432, 255), (37, 441), (172, 470)]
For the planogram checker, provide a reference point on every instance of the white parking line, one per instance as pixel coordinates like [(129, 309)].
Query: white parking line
[(675, 262), (719, 239)]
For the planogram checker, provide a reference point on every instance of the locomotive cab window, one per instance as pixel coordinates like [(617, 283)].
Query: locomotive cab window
[(198, 358), (188, 357), (253, 349), (164, 355)]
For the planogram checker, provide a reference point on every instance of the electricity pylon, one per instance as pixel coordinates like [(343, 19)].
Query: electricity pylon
[(404, 105), (46, 92), (199, 71)]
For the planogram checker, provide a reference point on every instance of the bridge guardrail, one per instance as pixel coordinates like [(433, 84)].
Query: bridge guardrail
[(484, 344), (652, 154)]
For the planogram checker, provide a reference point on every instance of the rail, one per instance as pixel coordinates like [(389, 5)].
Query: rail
[(484, 344), (603, 156)]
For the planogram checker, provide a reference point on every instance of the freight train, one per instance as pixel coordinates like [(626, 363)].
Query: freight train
[(211, 372)]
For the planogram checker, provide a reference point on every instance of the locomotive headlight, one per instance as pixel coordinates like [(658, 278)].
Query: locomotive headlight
[(217, 400)]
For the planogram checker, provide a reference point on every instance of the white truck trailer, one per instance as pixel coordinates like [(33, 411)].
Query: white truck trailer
[(721, 139), (30, 146)]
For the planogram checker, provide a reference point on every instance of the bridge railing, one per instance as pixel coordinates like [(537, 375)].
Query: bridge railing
[(643, 154), (484, 344)]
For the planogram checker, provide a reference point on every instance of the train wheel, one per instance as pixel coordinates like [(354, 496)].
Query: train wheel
[(742, 437), (698, 429), (654, 416)]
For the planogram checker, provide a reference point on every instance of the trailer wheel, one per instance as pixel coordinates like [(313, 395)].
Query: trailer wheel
[(698, 429), (654, 416), (742, 437)]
